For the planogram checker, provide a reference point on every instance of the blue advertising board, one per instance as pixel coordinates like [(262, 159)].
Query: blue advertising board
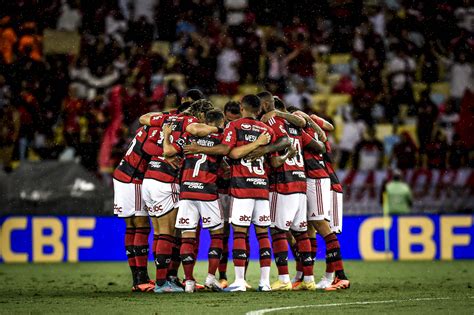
[(73, 239)]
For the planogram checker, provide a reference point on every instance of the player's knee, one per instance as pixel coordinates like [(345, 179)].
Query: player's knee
[(240, 229), (141, 221)]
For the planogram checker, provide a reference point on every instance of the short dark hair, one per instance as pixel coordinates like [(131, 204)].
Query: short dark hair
[(279, 103), (265, 94), (194, 94), (200, 106), (214, 115), (183, 107), (233, 107), (252, 103)]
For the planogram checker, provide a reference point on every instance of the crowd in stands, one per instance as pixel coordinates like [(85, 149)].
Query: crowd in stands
[(138, 56)]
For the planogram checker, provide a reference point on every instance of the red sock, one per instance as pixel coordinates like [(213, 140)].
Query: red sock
[(224, 257), (265, 256), (280, 252), (215, 252), (141, 253), (239, 252), (333, 255), (175, 259), (314, 247), (247, 251), (130, 251), (304, 248), (164, 248), (187, 257), (153, 247)]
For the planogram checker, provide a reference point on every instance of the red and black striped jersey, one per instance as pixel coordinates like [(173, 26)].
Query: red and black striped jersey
[(335, 184), (290, 178), (249, 179), (314, 163), (158, 168), (132, 167), (199, 171)]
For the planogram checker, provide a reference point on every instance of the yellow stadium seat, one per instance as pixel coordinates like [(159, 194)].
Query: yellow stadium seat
[(383, 130), (317, 99), (336, 100), (333, 78), (339, 125), (161, 47), (323, 88), (248, 89), (320, 72), (219, 100), (418, 88), (337, 59), (178, 78), (441, 88)]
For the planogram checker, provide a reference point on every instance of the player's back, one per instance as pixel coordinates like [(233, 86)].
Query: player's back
[(314, 162), (199, 171), (249, 179), (290, 177), (133, 165)]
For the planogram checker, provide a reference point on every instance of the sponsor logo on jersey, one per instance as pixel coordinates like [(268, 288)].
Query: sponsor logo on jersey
[(264, 218), (299, 174), (250, 138), (194, 185), (117, 208), (257, 181), (288, 223), (158, 208), (245, 218), (246, 126), (206, 220), (303, 224), (292, 131), (183, 220), (155, 164)]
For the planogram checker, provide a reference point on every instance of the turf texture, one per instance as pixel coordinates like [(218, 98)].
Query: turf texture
[(104, 288)]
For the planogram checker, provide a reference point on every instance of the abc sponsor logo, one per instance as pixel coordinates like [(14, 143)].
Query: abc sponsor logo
[(245, 218), (117, 209), (264, 218), (206, 220), (303, 224), (288, 223), (183, 220)]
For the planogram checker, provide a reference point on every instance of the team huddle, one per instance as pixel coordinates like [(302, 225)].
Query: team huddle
[(257, 163)]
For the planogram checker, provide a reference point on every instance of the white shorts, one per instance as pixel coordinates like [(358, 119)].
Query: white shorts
[(159, 197), (190, 211), (128, 200), (288, 211), (336, 212), (246, 211), (319, 196), (224, 203)]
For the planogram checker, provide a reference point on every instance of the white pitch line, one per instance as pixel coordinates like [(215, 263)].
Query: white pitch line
[(270, 310)]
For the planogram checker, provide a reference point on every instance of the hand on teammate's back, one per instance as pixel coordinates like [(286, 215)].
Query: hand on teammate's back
[(167, 130), (191, 148), (266, 117), (264, 138), (174, 161)]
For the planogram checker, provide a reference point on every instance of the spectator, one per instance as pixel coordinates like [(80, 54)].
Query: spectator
[(429, 64), (370, 68), (278, 67), (436, 152), (352, 134), (426, 119), (70, 18), (9, 131), (8, 40), (30, 44), (461, 78), (227, 73), (405, 152), (390, 141), (72, 108), (448, 119), (398, 196), (458, 155), (299, 98), (369, 153), (401, 69)]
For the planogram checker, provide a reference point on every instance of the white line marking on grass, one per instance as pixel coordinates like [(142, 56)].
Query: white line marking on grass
[(270, 310)]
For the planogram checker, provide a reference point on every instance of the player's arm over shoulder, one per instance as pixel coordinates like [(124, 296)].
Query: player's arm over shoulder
[(200, 129), (149, 118)]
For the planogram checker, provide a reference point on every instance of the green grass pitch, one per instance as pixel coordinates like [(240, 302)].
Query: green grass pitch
[(104, 288)]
